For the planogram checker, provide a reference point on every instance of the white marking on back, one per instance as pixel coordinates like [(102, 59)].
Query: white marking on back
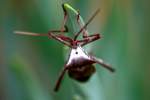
[(76, 54)]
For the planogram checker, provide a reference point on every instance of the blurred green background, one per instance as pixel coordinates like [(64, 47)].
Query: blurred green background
[(29, 66)]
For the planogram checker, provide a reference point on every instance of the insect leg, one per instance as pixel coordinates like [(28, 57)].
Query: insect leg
[(90, 38), (58, 82), (29, 33), (65, 19), (85, 33), (77, 34), (60, 38), (101, 62), (62, 30), (63, 26)]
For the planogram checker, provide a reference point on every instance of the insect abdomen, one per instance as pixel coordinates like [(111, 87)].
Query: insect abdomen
[(82, 73)]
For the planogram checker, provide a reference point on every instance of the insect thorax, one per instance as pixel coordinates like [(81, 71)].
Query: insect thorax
[(78, 58)]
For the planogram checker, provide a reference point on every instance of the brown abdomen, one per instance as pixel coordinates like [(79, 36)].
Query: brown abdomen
[(82, 73)]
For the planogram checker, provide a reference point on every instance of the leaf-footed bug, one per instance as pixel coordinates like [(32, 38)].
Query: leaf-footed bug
[(80, 64)]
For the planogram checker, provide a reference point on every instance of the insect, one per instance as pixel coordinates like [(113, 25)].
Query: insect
[(80, 64)]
